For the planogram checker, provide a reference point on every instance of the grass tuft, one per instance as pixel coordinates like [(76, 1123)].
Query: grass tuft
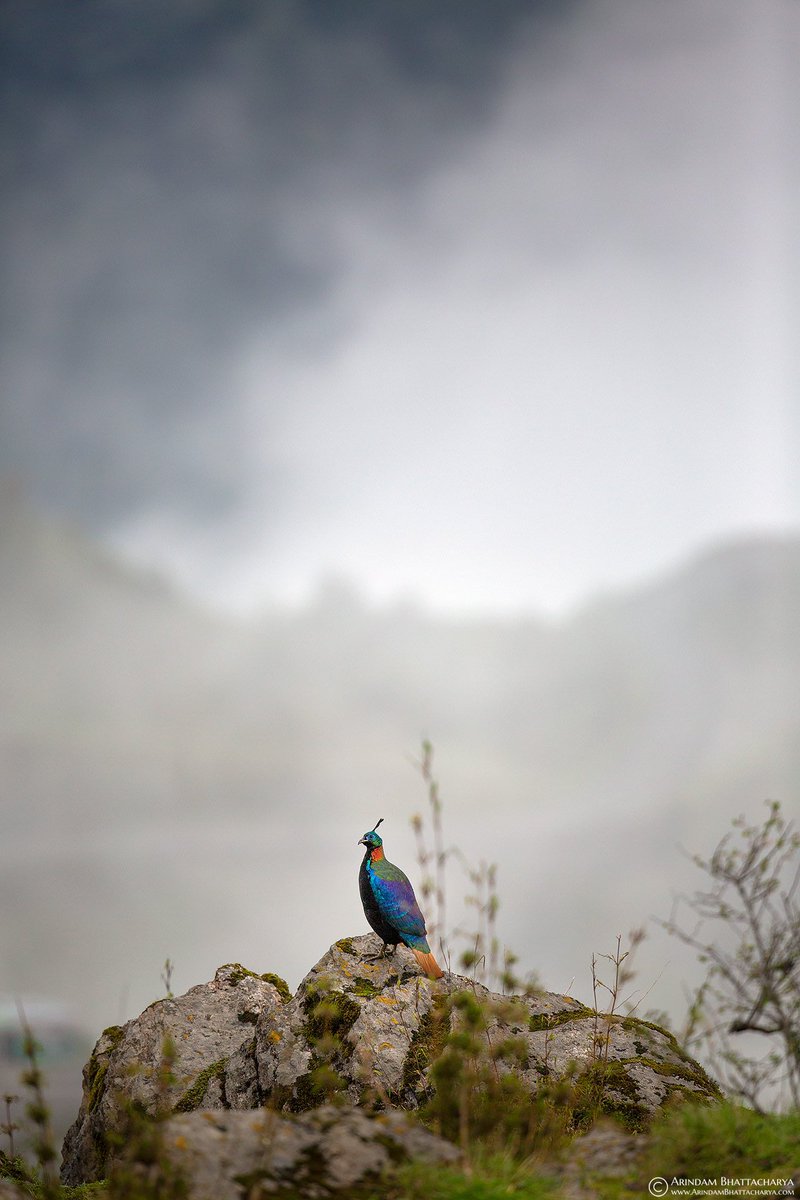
[(490, 1177), (696, 1139)]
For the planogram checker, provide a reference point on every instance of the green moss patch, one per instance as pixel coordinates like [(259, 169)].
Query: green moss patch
[(280, 985), (194, 1096), (114, 1034), (238, 973), (329, 1017), (318, 1085), (427, 1045), (696, 1139), (330, 1013), (606, 1089), (692, 1074), (364, 987), (95, 1071), (685, 1068), (543, 1021)]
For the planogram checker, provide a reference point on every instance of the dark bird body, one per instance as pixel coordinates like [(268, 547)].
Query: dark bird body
[(390, 905)]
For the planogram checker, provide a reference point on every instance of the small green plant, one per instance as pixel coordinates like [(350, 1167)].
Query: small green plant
[(166, 978), (329, 1014), (44, 1146), (495, 1176), (433, 887), (9, 1127), (481, 956), (483, 947), (14, 1168), (623, 974), (479, 1098), (140, 1168), (479, 1101), (705, 1140), (38, 1181)]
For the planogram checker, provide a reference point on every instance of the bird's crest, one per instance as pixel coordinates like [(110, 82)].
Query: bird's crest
[(371, 839)]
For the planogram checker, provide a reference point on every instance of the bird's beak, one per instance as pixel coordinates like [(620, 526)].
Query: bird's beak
[(361, 842)]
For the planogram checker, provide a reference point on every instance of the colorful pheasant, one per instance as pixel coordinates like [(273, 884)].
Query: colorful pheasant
[(390, 905)]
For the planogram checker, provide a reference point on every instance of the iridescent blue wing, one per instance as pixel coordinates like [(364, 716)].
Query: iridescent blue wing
[(396, 900)]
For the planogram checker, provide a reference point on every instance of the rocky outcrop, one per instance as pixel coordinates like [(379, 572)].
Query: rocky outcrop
[(205, 1027), (364, 1029), (389, 1022), (223, 1155)]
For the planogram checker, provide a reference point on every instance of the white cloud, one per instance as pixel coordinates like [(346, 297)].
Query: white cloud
[(559, 361)]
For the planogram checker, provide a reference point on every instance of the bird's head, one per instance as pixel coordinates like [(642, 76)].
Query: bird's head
[(371, 839)]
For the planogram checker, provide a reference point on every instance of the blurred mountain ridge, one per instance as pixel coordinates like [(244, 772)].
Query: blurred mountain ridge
[(159, 761)]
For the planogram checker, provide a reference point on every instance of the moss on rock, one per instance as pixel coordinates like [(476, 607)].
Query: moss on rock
[(538, 1022), (193, 1097), (686, 1067), (236, 973), (427, 1044), (305, 1094), (364, 987), (693, 1073), (114, 1034), (329, 1017), (333, 1014), (606, 1089), (96, 1069), (280, 985)]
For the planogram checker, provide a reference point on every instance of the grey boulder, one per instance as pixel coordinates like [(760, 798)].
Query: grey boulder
[(387, 1023), (366, 1031), (205, 1026), (227, 1155)]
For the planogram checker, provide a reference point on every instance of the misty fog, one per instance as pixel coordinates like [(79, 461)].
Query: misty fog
[(373, 373)]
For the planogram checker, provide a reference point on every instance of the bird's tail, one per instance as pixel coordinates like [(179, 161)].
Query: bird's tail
[(428, 963)]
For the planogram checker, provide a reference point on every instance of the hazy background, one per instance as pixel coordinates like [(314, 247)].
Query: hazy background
[(380, 371)]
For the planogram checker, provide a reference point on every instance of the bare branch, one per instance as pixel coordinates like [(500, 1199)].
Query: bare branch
[(753, 986)]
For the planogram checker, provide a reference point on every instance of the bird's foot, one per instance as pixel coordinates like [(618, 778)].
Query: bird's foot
[(384, 953)]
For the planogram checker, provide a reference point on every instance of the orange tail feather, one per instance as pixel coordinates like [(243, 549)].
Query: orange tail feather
[(428, 963)]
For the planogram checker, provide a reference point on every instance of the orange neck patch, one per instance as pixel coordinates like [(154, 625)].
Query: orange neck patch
[(377, 854)]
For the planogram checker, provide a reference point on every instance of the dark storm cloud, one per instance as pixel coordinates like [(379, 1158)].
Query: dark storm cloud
[(169, 174)]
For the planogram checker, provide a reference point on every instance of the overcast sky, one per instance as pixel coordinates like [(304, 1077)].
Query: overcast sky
[(493, 304)]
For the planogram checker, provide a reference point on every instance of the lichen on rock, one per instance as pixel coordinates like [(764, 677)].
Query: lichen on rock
[(367, 1030), (329, 1151), (206, 1026)]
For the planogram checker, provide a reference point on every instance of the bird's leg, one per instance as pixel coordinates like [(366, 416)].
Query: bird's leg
[(381, 954)]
